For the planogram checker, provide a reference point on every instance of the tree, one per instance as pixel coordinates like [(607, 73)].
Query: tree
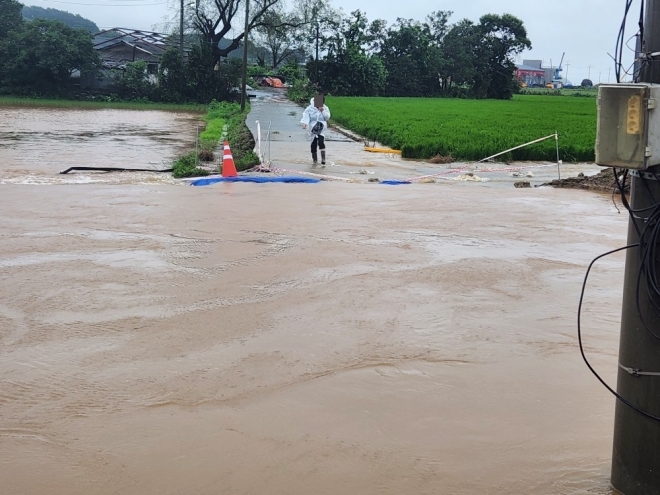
[(10, 16), (277, 38), (460, 47), (207, 82), (503, 36), (438, 24), (586, 83), (31, 13), (413, 58), (41, 57), (133, 82), (348, 69), (196, 79), (319, 22), (216, 19), (172, 84)]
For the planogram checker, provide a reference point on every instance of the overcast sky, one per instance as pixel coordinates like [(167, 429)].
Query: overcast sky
[(585, 29)]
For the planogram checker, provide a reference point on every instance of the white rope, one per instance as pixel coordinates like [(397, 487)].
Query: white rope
[(465, 167), (518, 147)]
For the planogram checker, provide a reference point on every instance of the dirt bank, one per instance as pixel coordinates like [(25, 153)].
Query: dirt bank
[(602, 182)]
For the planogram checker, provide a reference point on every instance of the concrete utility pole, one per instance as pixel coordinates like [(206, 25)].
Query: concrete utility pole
[(589, 73), (636, 449), (245, 53)]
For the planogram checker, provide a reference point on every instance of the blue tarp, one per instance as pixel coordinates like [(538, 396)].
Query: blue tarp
[(394, 182), (253, 178)]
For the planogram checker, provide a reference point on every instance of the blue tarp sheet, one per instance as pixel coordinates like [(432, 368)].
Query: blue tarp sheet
[(252, 178), (394, 182)]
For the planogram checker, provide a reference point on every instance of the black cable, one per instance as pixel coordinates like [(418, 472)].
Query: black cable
[(620, 42), (648, 234), (648, 266), (622, 191), (648, 237), (640, 24), (579, 330)]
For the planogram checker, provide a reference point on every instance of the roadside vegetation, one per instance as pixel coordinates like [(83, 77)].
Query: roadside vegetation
[(100, 103), (223, 121), (573, 91), (474, 129)]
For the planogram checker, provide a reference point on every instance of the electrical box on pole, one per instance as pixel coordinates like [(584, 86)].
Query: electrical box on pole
[(628, 126), (628, 137)]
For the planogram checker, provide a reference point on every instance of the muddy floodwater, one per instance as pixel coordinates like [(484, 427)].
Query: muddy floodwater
[(38, 143), (329, 338)]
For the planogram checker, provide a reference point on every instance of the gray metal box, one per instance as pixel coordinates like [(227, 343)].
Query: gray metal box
[(628, 126)]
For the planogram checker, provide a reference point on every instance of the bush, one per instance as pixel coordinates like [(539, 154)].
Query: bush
[(247, 161), (301, 91), (221, 117), (186, 166), (133, 83)]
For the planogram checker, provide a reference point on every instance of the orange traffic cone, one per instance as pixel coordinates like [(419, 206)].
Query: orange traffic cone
[(228, 167)]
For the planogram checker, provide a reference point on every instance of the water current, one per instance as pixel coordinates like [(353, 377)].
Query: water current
[(291, 338)]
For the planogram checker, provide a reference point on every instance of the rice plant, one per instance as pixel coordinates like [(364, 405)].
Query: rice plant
[(474, 129)]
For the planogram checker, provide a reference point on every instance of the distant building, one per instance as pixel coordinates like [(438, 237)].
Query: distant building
[(528, 71), (119, 46), (531, 74)]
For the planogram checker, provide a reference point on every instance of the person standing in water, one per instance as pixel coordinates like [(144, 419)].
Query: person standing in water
[(315, 117)]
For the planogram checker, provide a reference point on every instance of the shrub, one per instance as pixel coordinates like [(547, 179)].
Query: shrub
[(186, 166)]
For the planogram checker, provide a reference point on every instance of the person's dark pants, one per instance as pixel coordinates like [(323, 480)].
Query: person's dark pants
[(320, 142)]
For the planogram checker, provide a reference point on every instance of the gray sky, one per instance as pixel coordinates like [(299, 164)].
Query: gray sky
[(585, 29)]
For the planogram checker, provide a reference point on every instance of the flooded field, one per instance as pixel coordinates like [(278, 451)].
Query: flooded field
[(330, 338), (38, 143)]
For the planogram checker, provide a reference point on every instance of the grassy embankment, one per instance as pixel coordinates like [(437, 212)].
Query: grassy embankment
[(223, 120), (474, 129), (8, 101)]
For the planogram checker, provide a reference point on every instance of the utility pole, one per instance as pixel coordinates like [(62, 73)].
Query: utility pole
[(181, 33), (636, 446), (245, 53), (589, 73), (316, 60), (566, 75)]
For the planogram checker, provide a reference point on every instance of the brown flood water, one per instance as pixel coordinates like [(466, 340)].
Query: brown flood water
[(38, 143), (304, 339)]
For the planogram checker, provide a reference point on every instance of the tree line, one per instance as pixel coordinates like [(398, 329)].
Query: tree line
[(312, 44), (32, 12)]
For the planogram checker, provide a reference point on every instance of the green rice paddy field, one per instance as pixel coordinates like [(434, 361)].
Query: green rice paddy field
[(474, 129)]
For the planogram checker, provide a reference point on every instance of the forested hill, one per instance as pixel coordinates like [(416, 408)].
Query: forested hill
[(31, 13)]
